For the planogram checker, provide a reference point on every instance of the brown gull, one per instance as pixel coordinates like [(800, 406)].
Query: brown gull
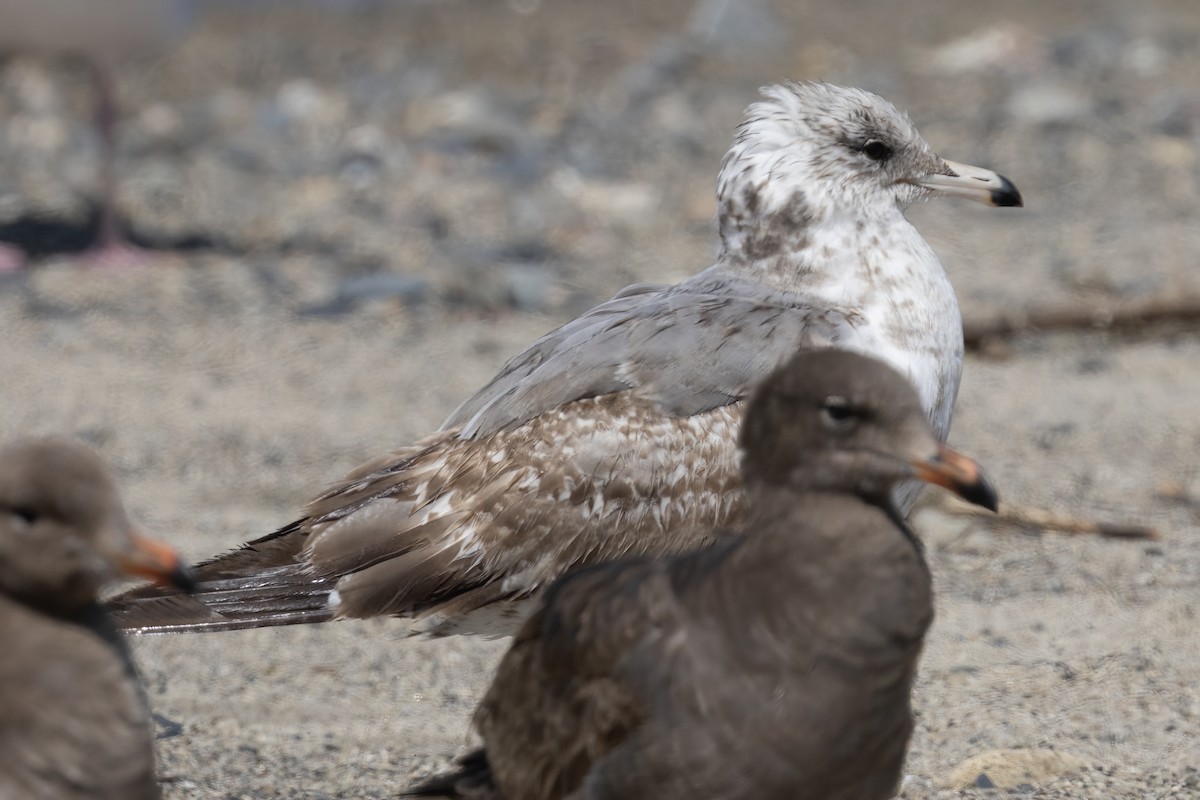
[(774, 664), (615, 434), (73, 719)]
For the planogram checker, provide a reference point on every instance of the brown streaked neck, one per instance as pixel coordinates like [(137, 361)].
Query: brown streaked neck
[(797, 249)]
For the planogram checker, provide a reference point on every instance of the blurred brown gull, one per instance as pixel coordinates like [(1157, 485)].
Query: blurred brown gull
[(615, 434)]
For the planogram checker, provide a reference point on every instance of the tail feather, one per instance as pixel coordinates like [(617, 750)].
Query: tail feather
[(260, 584), (225, 605), (266, 583), (261, 556), (472, 780)]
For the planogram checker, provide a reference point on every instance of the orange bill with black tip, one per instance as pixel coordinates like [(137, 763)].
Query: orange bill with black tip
[(961, 475), (160, 563)]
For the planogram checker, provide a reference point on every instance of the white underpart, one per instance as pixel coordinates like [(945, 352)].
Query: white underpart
[(915, 324)]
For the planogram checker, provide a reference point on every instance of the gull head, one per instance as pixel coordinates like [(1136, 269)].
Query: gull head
[(837, 421), (807, 152)]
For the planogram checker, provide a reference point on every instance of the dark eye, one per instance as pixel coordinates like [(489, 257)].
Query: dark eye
[(26, 515), (838, 413), (876, 150)]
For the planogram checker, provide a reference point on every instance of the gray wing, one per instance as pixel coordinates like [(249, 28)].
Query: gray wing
[(690, 348)]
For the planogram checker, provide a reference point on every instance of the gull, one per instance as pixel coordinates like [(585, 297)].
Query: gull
[(615, 434), (73, 717), (777, 663)]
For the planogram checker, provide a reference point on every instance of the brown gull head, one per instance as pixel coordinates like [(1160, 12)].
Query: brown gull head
[(865, 437), (65, 530)]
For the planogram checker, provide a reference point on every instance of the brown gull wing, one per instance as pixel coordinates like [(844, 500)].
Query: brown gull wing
[(570, 456)]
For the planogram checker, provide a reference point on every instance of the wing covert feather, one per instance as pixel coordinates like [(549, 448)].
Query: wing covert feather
[(649, 339)]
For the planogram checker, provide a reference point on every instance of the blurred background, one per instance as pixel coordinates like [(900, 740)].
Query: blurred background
[(335, 219)]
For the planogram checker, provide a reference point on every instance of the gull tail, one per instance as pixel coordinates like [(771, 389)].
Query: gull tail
[(261, 584), (472, 780)]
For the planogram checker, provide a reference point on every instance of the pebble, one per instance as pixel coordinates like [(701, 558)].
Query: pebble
[(1048, 103), (1009, 769), (1002, 47)]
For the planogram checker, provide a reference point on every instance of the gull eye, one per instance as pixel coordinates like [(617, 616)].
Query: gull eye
[(876, 150), (838, 414), (25, 515)]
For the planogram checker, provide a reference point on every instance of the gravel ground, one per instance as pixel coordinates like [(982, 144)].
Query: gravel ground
[(357, 212)]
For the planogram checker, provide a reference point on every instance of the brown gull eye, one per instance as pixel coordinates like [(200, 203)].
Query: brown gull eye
[(837, 413), (876, 150), (27, 516)]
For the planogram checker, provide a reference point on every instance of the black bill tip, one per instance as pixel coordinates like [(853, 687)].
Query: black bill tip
[(1008, 195)]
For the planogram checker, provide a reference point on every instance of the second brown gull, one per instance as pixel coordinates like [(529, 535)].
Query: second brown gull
[(615, 434), (777, 663)]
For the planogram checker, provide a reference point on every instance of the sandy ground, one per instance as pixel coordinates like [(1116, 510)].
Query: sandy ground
[(495, 167)]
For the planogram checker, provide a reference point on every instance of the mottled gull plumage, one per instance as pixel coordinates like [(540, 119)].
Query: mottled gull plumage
[(614, 435), (777, 663)]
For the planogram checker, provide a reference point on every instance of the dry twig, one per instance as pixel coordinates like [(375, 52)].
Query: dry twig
[(979, 332), (1029, 517)]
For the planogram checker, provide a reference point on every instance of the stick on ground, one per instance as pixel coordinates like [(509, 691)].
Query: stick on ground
[(979, 332), (1030, 517)]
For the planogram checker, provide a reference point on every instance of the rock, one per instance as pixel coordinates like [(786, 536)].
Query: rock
[(301, 104), (160, 123), (1172, 153), (735, 27), (997, 48), (353, 292), (1144, 57), (1009, 769), (1048, 103), (983, 782), (629, 202), (499, 284), (474, 117), (1176, 113)]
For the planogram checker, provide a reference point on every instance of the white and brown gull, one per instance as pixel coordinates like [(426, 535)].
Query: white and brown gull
[(615, 434), (777, 663)]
